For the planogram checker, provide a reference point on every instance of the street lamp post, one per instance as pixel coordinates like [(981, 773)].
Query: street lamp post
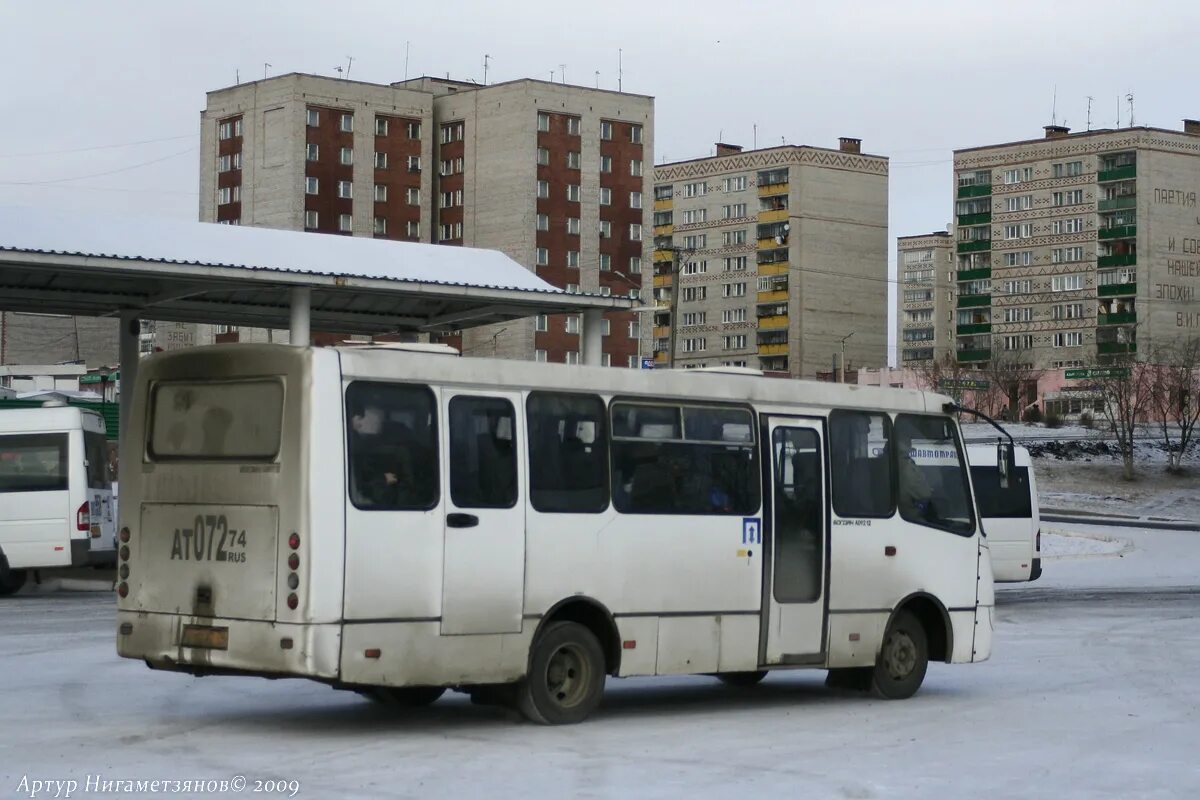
[(842, 379), (678, 254)]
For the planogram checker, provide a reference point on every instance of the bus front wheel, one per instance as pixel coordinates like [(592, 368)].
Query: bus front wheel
[(11, 580), (903, 659), (566, 676)]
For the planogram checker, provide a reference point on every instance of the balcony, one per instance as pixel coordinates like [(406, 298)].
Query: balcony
[(974, 300), (974, 274), (666, 229), (1118, 232), (773, 322), (1118, 203), (1116, 289), (975, 247), (775, 296), (777, 268), (662, 280), (1112, 348), (978, 327), (974, 355), (1117, 173), (661, 332), (975, 219), (773, 349), (663, 205), (1120, 260), (768, 189), (774, 215), (974, 190), (1121, 318), (663, 255)]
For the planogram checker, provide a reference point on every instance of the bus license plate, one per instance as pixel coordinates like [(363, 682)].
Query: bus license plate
[(206, 637)]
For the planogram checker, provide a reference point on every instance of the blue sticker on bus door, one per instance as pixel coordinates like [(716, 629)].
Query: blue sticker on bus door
[(751, 530)]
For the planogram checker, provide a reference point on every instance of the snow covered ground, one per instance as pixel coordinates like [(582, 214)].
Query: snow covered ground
[(1090, 694)]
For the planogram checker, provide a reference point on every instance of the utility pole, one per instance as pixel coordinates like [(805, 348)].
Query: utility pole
[(842, 376), (678, 254)]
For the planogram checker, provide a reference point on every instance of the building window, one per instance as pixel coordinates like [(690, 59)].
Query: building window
[(694, 215), (733, 237), (694, 293), (573, 192), (573, 258), (541, 323), (573, 159), (606, 130), (605, 262), (1071, 198), (381, 161), (1070, 225), (1068, 339), (346, 156), (635, 294), (694, 318), (635, 265), (634, 330), (312, 152), (1019, 175), (572, 288), (733, 289), (451, 199), (1013, 314), (635, 167), (633, 362), (735, 211), (450, 231), (414, 229), (414, 163), (635, 232), (543, 189), (413, 196), (635, 134), (1022, 231), (696, 344), (543, 222), (543, 122), (573, 225), (543, 159), (1022, 341), (606, 164), (573, 126), (311, 185), (697, 189), (1068, 169), (635, 199), (1067, 311), (1066, 283), (1020, 203), (733, 315), (1061, 254), (1018, 287), (453, 166), (605, 196), (224, 163), (542, 256), (736, 342), (695, 267), (696, 241), (737, 184), (310, 220), (539, 355), (229, 130), (380, 226), (572, 323), (1022, 258), (345, 223), (605, 229), (347, 123), (345, 190), (228, 194), (414, 130), (381, 126), (452, 132), (572, 356), (313, 118), (381, 193)]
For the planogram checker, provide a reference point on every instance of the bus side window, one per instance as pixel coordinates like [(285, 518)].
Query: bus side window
[(568, 453), (483, 458), (861, 465), (392, 446)]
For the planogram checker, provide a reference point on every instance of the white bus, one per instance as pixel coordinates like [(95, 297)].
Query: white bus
[(1009, 513), (56, 504), (400, 522)]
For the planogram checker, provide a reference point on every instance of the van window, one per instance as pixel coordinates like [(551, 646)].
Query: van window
[(229, 420), (1013, 502), (931, 473), (33, 462), (95, 448)]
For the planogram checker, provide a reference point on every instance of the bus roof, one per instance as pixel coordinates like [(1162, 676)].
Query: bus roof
[(50, 418)]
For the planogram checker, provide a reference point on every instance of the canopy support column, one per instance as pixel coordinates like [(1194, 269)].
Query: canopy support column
[(593, 336), (301, 302)]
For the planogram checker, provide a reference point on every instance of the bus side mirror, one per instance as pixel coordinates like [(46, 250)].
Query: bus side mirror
[(1005, 457)]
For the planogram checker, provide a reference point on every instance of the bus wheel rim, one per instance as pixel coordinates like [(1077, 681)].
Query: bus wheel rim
[(568, 675), (900, 655)]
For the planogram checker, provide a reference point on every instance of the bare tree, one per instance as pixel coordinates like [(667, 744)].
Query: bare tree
[(1126, 388), (1175, 398), (1013, 378)]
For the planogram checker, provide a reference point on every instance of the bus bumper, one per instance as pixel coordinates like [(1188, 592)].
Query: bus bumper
[(982, 646), (214, 646)]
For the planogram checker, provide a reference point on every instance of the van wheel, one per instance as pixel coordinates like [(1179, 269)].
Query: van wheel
[(566, 676), (903, 659), (741, 678), (404, 696), (11, 580)]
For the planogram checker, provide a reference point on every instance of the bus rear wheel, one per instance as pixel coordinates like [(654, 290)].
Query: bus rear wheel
[(404, 696), (903, 659), (566, 676), (11, 580), (742, 678)]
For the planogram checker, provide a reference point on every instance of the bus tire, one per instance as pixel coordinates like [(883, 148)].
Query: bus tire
[(11, 580), (566, 676), (743, 679), (903, 659), (404, 696)]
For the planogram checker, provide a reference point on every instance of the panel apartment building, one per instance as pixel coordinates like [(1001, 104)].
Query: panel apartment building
[(1078, 248), (924, 298), (550, 174), (778, 255)]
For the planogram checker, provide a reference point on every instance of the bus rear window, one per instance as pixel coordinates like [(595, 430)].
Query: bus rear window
[(1013, 502), (33, 463), (233, 420)]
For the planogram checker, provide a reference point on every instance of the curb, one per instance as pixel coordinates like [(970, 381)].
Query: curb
[(1121, 522)]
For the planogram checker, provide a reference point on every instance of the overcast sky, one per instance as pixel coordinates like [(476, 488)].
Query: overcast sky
[(100, 102)]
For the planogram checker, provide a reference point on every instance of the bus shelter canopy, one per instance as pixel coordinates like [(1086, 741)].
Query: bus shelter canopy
[(55, 262)]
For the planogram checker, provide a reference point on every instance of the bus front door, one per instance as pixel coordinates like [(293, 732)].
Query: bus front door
[(794, 579), (483, 573)]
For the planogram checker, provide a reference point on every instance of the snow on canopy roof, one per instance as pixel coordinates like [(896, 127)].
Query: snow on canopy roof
[(210, 244)]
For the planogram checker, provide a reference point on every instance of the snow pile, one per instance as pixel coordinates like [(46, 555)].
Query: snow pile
[(1060, 544)]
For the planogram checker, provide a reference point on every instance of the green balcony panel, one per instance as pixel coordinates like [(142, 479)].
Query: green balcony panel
[(974, 355), (1122, 260), (975, 219), (974, 300), (978, 327), (1117, 203), (1113, 289), (1109, 348), (1117, 173), (975, 247), (979, 190), (1123, 318), (974, 274), (1118, 232)]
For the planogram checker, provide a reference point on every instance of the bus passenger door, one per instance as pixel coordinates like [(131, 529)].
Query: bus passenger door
[(483, 573), (795, 565)]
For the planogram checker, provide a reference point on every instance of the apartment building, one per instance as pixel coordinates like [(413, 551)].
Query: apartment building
[(1076, 249), (773, 259), (924, 298), (550, 174)]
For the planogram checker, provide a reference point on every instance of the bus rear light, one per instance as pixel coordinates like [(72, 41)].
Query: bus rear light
[(294, 541), (293, 581), (124, 534), (123, 590), (124, 552), (293, 601), (374, 652), (82, 519), (293, 561), (629, 644), (124, 571)]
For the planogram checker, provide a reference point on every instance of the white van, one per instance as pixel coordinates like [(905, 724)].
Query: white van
[(1010, 516), (56, 504)]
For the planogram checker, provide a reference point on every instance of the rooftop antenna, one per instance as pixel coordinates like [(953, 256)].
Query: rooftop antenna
[(1054, 107), (597, 79), (562, 73), (486, 58), (237, 78), (266, 67), (754, 145), (1129, 97), (338, 70), (406, 61), (1118, 111), (1089, 120), (620, 71), (349, 64)]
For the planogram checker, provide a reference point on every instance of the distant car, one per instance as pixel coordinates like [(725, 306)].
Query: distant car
[(56, 499), (1010, 516)]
